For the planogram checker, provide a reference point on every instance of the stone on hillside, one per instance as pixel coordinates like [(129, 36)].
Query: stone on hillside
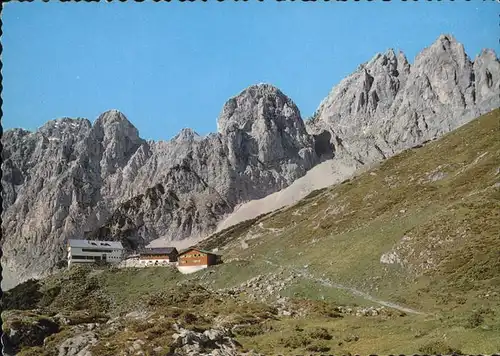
[(390, 258), (210, 342), (78, 345)]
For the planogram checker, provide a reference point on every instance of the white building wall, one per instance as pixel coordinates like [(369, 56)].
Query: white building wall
[(190, 269), (136, 262), (113, 257), (152, 262)]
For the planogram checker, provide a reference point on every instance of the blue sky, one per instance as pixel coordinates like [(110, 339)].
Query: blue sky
[(167, 66)]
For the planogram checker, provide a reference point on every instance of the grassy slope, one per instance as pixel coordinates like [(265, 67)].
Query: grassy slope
[(451, 226), (445, 231), (451, 223)]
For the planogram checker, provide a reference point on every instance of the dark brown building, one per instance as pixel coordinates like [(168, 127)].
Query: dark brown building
[(194, 259), (159, 254)]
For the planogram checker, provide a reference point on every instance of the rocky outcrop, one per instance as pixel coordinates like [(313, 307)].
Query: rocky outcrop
[(25, 329), (78, 345), (210, 342), (388, 105)]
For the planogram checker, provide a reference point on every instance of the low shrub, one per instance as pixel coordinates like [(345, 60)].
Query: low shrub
[(320, 333), (24, 296), (86, 317), (318, 348), (139, 326), (438, 347), (249, 330), (477, 318), (49, 296), (296, 341)]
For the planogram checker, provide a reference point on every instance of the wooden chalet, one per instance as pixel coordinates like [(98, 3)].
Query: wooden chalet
[(194, 259), (158, 256)]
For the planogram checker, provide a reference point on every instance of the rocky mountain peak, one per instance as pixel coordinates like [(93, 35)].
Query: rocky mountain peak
[(264, 123), (445, 48), (118, 137), (187, 134), (391, 53), (13, 133), (488, 53), (388, 63), (445, 42), (371, 89), (65, 126), (387, 104), (447, 39), (114, 123), (403, 64), (487, 77), (110, 117), (261, 105)]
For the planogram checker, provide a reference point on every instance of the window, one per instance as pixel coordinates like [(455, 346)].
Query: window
[(79, 257), (96, 250)]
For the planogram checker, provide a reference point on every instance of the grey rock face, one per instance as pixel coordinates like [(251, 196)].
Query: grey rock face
[(79, 345), (118, 139), (487, 78), (388, 105), (269, 124), (262, 146), (210, 342), (72, 179), (55, 184)]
